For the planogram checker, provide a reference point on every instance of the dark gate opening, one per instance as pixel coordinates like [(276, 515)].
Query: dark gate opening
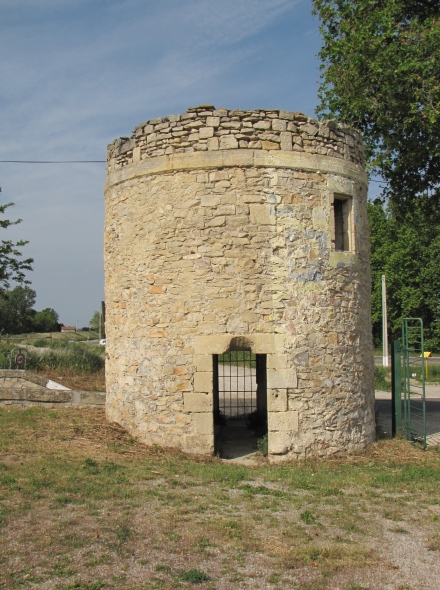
[(240, 402)]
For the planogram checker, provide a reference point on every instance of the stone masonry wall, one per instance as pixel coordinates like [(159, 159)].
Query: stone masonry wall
[(219, 224), (206, 128)]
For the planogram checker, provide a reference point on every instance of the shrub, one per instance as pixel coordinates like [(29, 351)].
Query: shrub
[(193, 576), (381, 375), (263, 445), (41, 343), (75, 357)]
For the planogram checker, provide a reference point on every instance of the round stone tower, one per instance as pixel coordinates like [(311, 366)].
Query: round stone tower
[(239, 231)]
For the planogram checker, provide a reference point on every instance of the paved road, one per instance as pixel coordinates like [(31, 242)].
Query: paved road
[(435, 360), (383, 408)]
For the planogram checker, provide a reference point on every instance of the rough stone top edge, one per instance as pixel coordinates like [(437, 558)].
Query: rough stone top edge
[(208, 110), (200, 114)]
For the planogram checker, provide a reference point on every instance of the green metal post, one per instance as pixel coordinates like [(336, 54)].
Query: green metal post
[(396, 390)]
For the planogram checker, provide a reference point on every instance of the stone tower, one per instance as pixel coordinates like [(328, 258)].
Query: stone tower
[(239, 230)]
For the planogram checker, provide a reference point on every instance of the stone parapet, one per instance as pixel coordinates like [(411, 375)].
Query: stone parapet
[(206, 128)]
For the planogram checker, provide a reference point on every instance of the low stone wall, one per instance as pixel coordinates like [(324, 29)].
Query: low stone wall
[(206, 128), (18, 387)]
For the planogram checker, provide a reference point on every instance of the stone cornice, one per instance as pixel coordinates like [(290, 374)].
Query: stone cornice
[(236, 158)]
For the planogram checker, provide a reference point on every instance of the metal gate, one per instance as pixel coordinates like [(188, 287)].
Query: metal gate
[(413, 381), (237, 383)]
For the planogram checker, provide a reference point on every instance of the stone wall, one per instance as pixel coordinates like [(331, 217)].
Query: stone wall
[(219, 224), (206, 128), (23, 388)]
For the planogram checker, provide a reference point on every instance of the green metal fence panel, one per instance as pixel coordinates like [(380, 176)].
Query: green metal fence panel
[(413, 373)]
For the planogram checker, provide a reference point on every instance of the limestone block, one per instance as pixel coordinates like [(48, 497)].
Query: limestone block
[(197, 402), (250, 316), (310, 129), (270, 145), (261, 215), (203, 423), (277, 361), (212, 344), (136, 154), (279, 125), (199, 443), (216, 221), (277, 400), (286, 141), (282, 421), (279, 443), (228, 142), (320, 220), (203, 362), (157, 333), (281, 378), (262, 125), (203, 381), (213, 144), (213, 121), (206, 132), (224, 303), (183, 419), (267, 343), (48, 395), (210, 200), (339, 184), (156, 289)]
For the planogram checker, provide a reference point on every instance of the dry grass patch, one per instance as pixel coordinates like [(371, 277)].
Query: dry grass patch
[(76, 380), (84, 505)]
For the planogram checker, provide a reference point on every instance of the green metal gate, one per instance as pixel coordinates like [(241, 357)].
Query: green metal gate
[(413, 381)]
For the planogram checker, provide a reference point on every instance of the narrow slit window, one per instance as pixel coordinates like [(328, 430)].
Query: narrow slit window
[(342, 207)]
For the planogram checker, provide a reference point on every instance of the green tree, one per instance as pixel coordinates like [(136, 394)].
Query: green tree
[(381, 75), (94, 322), (97, 321), (407, 251), (46, 320), (16, 310), (12, 267)]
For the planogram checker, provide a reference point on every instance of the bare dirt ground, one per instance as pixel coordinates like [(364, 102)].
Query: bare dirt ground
[(85, 506)]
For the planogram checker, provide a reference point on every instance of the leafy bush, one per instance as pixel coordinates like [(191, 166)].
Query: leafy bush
[(381, 379), (263, 445), (41, 343), (5, 355)]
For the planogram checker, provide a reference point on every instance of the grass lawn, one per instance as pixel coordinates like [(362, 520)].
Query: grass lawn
[(84, 506)]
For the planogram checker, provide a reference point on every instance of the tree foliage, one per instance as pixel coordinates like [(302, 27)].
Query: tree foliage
[(16, 310), (97, 323), (18, 316), (407, 252), (381, 75), (46, 320), (12, 267)]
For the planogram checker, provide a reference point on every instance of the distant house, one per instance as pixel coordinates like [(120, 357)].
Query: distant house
[(68, 328)]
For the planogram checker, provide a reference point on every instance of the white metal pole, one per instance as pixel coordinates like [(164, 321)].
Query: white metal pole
[(384, 322)]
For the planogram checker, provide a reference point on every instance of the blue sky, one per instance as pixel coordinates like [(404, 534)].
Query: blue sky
[(76, 74)]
